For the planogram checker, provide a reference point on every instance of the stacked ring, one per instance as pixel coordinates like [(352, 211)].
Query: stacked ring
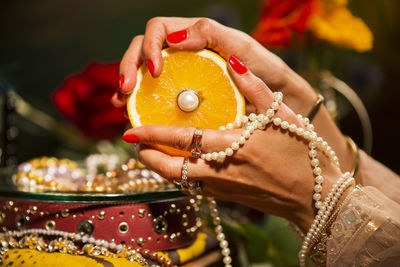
[(195, 148)]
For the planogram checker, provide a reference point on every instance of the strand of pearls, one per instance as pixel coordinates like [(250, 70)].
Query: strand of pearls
[(323, 214), (253, 122), (223, 243)]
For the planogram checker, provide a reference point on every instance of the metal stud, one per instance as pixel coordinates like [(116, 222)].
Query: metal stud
[(172, 208), (123, 227), (65, 213), (101, 215), (2, 217), (160, 225), (21, 220), (85, 227), (140, 241), (172, 238), (33, 209), (50, 225), (141, 213), (185, 220)]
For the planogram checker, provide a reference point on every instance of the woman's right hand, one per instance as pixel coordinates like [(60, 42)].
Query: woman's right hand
[(198, 33)]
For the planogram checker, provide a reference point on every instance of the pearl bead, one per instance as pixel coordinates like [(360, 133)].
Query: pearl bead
[(214, 155), (235, 146), (222, 128), (245, 119), (237, 123), (292, 128), (252, 117), (241, 140), (220, 236), (260, 126), (317, 196), (223, 244), (227, 260), (306, 135), (319, 179), (310, 127), (284, 125), (317, 188), (277, 121), (246, 134), (208, 157), (314, 162), (270, 112), (221, 155), (275, 105), (278, 97), (318, 204), (229, 126), (203, 156), (226, 251), (188, 100), (312, 145), (229, 151), (300, 131)]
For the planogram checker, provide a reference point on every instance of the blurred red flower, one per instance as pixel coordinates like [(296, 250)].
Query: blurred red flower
[(84, 99), (280, 18)]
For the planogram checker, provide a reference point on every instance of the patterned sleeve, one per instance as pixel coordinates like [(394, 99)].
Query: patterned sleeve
[(366, 231)]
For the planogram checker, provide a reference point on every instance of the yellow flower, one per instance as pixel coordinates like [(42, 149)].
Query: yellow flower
[(335, 23)]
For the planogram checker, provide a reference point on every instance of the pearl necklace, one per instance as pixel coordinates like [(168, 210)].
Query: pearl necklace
[(260, 121), (323, 214)]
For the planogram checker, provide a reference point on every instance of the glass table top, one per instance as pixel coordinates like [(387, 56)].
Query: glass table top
[(9, 190)]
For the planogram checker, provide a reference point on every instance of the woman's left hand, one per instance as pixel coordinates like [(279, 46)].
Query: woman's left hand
[(271, 172)]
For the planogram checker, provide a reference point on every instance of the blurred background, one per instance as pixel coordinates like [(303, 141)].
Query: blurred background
[(44, 42)]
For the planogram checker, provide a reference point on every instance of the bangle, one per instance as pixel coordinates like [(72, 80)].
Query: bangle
[(356, 153), (315, 108)]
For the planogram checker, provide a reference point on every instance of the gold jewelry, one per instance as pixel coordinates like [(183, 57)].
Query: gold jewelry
[(356, 153), (315, 108), (196, 143)]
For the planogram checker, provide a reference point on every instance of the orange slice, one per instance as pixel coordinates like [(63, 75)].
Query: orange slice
[(194, 89)]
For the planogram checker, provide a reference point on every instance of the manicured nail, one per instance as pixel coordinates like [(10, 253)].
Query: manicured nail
[(121, 81), (150, 66), (177, 37), (130, 138), (237, 65)]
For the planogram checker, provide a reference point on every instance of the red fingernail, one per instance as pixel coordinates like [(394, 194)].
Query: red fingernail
[(130, 138), (150, 66), (237, 65), (177, 37), (121, 81)]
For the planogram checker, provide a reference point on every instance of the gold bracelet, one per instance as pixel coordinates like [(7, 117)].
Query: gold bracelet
[(356, 153), (314, 110)]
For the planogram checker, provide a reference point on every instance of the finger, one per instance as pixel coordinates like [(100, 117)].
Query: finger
[(118, 99), (129, 65), (181, 137), (252, 87), (156, 33), (207, 33)]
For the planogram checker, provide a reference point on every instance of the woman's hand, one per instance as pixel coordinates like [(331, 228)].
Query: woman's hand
[(198, 33), (271, 172)]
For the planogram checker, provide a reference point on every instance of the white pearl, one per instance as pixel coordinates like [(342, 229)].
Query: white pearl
[(227, 260), (229, 151), (292, 128), (319, 179), (260, 117), (223, 244), (310, 127), (278, 97), (203, 156), (299, 131), (306, 135), (237, 123), (260, 126), (242, 140), (317, 170), (188, 101), (299, 116), (245, 119), (208, 157), (112, 245), (314, 162), (318, 204), (229, 126), (221, 155), (91, 240), (214, 155), (277, 121), (284, 125), (312, 145), (252, 117), (317, 188), (270, 113), (226, 251), (221, 236), (235, 146), (317, 196), (275, 105), (246, 134), (222, 128), (306, 120), (218, 229)]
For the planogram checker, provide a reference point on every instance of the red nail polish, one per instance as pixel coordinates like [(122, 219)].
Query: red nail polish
[(130, 138), (150, 66), (121, 81), (177, 37), (237, 65)]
